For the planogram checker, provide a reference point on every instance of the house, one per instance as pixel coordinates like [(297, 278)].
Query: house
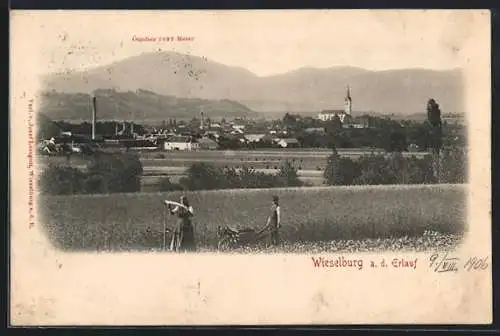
[(288, 143), (212, 134), (361, 122), (317, 130), (239, 128), (254, 137), (206, 143), (179, 142)]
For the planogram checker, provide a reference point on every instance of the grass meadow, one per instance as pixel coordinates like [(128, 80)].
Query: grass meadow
[(316, 217)]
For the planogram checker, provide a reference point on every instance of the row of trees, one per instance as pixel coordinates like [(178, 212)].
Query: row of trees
[(202, 176), (121, 173), (446, 164), (388, 134), (396, 169), (111, 173)]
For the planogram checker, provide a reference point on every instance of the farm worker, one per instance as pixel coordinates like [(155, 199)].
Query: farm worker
[(183, 237), (274, 221)]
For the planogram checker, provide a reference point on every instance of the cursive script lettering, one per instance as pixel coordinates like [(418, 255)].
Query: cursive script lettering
[(442, 263), (475, 263)]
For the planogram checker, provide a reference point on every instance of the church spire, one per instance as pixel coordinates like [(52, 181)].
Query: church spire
[(348, 101)]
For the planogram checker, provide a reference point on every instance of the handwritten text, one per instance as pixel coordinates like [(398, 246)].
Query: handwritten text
[(442, 263)]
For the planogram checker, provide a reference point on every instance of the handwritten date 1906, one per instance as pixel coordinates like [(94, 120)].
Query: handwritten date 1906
[(441, 263)]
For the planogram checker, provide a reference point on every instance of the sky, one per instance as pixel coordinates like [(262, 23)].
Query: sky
[(264, 42)]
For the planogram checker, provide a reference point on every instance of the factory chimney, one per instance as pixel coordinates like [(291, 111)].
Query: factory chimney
[(94, 116), (202, 126)]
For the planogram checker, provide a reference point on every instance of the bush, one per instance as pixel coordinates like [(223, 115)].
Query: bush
[(106, 173), (453, 165), (288, 176), (95, 184), (378, 169), (203, 176), (341, 170), (166, 185), (61, 180), (118, 172), (375, 170)]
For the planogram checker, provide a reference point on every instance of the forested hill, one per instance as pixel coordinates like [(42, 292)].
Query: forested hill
[(141, 105)]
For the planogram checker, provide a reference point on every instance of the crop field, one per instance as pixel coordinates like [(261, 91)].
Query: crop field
[(259, 159), (310, 163), (317, 218)]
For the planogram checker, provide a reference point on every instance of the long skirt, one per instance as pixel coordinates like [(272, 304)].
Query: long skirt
[(183, 238)]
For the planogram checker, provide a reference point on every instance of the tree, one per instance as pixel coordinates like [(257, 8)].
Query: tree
[(288, 175), (397, 141), (114, 173), (376, 169), (289, 120), (203, 176), (333, 126), (435, 133), (349, 171), (332, 171), (453, 163), (398, 167)]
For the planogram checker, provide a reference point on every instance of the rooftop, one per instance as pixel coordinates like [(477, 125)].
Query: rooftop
[(179, 138)]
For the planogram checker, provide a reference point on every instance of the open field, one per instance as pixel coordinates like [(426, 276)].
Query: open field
[(308, 159), (320, 215)]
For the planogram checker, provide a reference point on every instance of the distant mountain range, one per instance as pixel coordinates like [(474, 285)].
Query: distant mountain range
[(401, 92), (138, 106)]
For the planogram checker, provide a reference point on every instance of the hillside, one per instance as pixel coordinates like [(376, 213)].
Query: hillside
[(140, 105), (46, 128), (404, 91)]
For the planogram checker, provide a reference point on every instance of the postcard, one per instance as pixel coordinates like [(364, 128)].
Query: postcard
[(250, 167)]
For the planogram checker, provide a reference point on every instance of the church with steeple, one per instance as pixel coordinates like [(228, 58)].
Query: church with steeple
[(345, 115)]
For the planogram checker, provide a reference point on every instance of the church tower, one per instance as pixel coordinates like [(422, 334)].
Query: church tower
[(348, 102)]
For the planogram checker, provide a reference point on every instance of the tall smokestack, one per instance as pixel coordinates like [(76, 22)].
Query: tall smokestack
[(94, 116), (202, 119)]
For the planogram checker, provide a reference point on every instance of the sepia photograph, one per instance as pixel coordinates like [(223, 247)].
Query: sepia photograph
[(324, 135)]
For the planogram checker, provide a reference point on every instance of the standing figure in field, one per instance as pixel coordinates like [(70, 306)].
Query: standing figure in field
[(183, 235), (274, 221)]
